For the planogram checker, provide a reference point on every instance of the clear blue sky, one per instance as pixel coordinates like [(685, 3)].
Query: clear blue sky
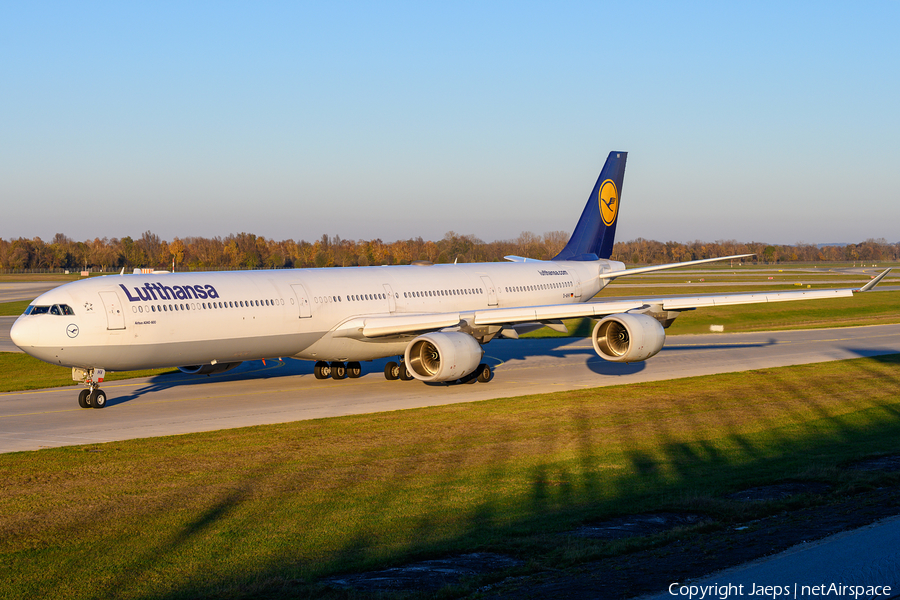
[(754, 121)]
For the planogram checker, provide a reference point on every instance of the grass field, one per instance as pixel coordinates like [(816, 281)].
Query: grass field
[(22, 372), (267, 511), (13, 309)]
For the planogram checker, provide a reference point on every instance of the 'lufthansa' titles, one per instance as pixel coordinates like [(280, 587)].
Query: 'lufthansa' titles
[(157, 291)]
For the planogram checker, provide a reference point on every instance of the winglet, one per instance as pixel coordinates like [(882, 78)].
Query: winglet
[(874, 282)]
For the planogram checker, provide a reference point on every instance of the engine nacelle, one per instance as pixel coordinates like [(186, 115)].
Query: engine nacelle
[(208, 369), (628, 337), (442, 356)]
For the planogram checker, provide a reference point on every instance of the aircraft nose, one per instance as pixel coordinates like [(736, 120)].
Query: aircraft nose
[(25, 333)]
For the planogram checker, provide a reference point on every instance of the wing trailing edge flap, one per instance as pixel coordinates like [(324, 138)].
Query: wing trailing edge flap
[(373, 327), (388, 325), (687, 303), (498, 316)]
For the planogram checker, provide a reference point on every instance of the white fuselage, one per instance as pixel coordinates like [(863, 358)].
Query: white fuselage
[(125, 322)]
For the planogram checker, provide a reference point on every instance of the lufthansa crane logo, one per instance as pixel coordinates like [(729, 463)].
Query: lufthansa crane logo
[(609, 202), (72, 330)]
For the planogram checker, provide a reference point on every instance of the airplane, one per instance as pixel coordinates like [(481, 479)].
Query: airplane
[(434, 317)]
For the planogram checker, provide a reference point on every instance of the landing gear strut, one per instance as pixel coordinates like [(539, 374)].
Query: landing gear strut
[(93, 396)]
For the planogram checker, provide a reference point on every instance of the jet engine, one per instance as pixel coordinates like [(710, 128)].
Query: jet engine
[(628, 337), (442, 356), (208, 369)]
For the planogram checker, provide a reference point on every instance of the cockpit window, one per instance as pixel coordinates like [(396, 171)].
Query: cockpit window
[(56, 309)]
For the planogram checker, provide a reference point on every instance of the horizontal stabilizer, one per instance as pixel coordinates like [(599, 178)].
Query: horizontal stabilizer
[(654, 268), (514, 258)]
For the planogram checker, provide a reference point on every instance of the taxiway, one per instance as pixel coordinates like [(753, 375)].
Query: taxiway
[(283, 391)]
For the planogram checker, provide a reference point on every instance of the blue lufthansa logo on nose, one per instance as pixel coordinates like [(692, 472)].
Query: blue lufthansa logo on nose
[(72, 330)]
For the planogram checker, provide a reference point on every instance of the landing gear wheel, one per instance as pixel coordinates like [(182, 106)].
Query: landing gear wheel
[(404, 373), (322, 370), (338, 370), (392, 371), (354, 370), (484, 373), (98, 398), (83, 401)]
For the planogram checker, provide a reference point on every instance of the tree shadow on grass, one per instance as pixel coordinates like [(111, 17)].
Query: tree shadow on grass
[(655, 464), (652, 464)]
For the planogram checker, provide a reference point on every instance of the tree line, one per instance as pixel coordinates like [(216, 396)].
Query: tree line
[(249, 251)]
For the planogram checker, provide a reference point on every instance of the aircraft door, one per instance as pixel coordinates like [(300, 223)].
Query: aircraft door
[(302, 300), (577, 285), (490, 289), (392, 306), (115, 315)]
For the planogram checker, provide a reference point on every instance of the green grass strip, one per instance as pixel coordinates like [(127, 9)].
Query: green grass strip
[(19, 371), (260, 510), (13, 309)]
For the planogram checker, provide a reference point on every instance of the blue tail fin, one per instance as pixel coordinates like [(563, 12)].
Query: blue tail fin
[(596, 230)]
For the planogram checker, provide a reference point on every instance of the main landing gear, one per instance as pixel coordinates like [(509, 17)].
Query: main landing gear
[(394, 371), (337, 370), (93, 396)]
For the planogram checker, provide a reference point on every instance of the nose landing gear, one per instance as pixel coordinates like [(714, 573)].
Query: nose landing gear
[(93, 396)]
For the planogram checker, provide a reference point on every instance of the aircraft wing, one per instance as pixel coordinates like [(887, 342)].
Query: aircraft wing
[(673, 303), (409, 324), (498, 316)]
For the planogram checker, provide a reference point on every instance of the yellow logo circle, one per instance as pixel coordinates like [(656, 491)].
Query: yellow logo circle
[(609, 202)]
